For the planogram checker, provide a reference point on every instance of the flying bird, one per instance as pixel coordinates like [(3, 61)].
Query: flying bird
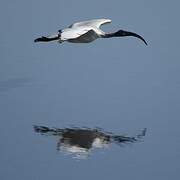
[(86, 32)]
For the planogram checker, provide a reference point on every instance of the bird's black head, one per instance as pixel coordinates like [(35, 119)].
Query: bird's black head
[(122, 33)]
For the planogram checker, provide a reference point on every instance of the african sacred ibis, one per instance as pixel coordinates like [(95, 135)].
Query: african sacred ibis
[(85, 32)]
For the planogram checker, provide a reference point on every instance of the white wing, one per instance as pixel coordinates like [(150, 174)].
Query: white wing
[(72, 33), (95, 22)]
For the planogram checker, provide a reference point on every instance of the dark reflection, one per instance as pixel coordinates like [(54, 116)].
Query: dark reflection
[(14, 83), (79, 141)]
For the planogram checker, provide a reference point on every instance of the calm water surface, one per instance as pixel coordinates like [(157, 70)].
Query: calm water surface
[(105, 110)]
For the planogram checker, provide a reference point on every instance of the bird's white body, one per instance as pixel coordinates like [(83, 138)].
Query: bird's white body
[(85, 32)]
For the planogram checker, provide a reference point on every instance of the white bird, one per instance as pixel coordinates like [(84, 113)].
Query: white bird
[(86, 32)]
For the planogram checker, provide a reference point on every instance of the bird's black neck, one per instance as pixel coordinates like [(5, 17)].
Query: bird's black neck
[(108, 35), (119, 33)]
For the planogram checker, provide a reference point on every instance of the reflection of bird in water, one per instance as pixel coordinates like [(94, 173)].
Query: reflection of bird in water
[(80, 141), (85, 32)]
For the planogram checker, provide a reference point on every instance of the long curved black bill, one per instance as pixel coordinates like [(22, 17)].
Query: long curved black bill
[(135, 35)]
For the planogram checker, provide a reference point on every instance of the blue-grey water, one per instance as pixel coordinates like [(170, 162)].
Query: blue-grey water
[(115, 88)]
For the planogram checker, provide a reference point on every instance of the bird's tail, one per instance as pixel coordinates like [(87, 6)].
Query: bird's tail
[(48, 38)]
